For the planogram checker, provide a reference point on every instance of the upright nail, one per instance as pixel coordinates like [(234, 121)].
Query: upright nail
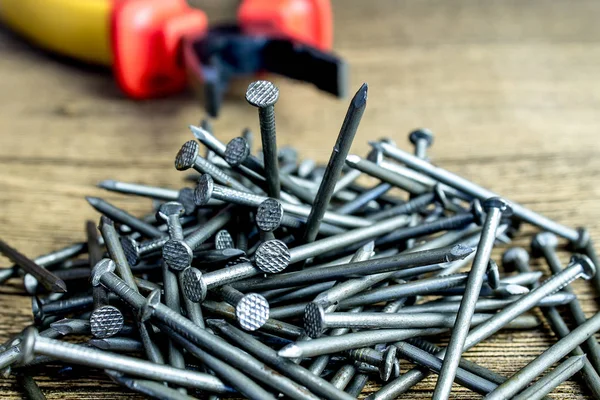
[(336, 162)]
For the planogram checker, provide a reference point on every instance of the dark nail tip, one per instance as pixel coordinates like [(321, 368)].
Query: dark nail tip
[(461, 251), (99, 343), (93, 200), (216, 323), (63, 327), (360, 98), (59, 286)]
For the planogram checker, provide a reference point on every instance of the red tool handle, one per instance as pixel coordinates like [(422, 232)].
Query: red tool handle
[(146, 40), (306, 21)]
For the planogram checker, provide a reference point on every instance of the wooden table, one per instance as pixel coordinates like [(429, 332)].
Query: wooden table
[(511, 90)]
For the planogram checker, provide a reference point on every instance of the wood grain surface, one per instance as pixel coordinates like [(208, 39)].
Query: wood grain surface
[(511, 90)]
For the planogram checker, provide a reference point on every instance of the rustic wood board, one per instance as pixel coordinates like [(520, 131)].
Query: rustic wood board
[(510, 89)]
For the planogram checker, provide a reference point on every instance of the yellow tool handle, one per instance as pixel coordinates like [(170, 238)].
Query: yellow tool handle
[(75, 28)]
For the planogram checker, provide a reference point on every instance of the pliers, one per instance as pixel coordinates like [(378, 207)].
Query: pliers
[(158, 47)]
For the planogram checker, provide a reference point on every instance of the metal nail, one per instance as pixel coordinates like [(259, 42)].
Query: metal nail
[(34, 344), (550, 381), (580, 266), (207, 189), (463, 377), (271, 257), (391, 263), (178, 254), (263, 95), (545, 244), (477, 191), (422, 139), (45, 277), (124, 217), (336, 162), (495, 209), (189, 157), (269, 356), (545, 360)]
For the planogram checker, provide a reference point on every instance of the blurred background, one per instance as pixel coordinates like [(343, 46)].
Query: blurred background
[(510, 89)]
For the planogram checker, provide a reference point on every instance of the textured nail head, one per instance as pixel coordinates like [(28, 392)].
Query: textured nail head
[(177, 254), (131, 249), (204, 190), (105, 265), (262, 94), (186, 156), (272, 256), (252, 311), (237, 151), (269, 215), (106, 321), (194, 287), (171, 208), (314, 315), (223, 240)]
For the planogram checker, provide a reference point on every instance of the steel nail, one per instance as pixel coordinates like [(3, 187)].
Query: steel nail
[(312, 382), (223, 240), (271, 326), (385, 175), (544, 361), (336, 162), (477, 191), (343, 376), (545, 244), (264, 95), (550, 381), (234, 377), (118, 344), (178, 254), (46, 260), (124, 217), (518, 258), (334, 344), (495, 209), (422, 139), (271, 257), (384, 361), (182, 196), (368, 267), (103, 275), (207, 189), (463, 377), (580, 266), (189, 157), (34, 344), (251, 309), (45, 277), (30, 388), (147, 387)]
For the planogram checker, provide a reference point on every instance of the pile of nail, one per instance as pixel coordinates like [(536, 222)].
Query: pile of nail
[(277, 276)]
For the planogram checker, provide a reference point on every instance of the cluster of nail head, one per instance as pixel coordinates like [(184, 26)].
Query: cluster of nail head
[(276, 276)]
